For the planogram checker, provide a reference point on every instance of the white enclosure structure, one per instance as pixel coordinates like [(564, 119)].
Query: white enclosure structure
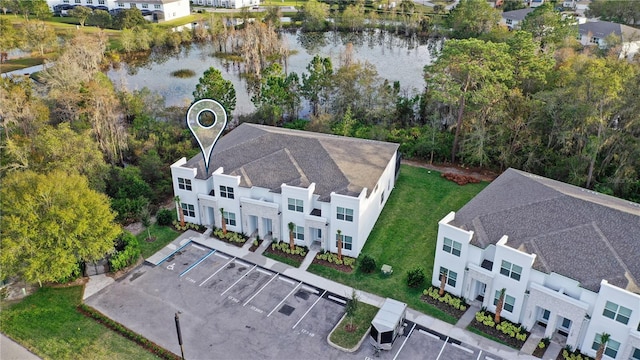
[(387, 324)]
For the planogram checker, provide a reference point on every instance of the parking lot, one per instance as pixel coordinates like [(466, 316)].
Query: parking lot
[(232, 309)]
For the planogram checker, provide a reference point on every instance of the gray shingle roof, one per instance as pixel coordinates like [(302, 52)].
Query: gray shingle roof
[(575, 232), (267, 157), (602, 29), (517, 15)]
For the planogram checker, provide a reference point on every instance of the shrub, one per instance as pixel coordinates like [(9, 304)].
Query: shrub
[(367, 264), (415, 277), (164, 217), (128, 255), (332, 258)]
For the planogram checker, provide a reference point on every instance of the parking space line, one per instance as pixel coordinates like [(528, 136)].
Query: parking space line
[(258, 292), (441, 350), (285, 298), (237, 281), (266, 272), (219, 254), (173, 253), (242, 263), (197, 262), (312, 290), (479, 354), (463, 348), (305, 314), (291, 282), (405, 341), (488, 358), (217, 271), (199, 247), (336, 299)]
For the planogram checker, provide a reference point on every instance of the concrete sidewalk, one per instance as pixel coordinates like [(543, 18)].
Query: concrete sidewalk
[(442, 327), (10, 350)]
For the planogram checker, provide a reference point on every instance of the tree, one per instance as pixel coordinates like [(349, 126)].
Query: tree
[(499, 305), (213, 86), (339, 238), (223, 221), (11, 38), (351, 309), (316, 85), (20, 109), (314, 16), (510, 5), (471, 75), (176, 200), (292, 227), (39, 35), (623, 12), (128, 18), (352, 18), (81, 13), (472, 18), (100, 18), (50, 223), (604, 338), (548, 26), (273, 16), (279, 92)]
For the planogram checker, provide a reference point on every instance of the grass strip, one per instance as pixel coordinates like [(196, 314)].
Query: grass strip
[(49, 324), (163, 235), (361, 320), (282, 259)]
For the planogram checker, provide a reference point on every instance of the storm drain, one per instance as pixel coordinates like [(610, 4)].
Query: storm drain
[(302, 295), (286, 309)]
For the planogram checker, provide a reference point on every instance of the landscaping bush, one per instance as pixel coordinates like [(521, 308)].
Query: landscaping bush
[(187, 226), (574, 355), (367, 264), (230, 236), (415, 277), (284, 247), (129, 253), (454, 301), (164, 217), (332, 258), (506, 327)]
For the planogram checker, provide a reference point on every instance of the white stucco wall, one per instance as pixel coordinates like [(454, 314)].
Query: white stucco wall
[(450, 261)]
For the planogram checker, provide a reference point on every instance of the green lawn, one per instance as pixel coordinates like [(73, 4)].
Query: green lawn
[(163, 235), (48, 324), (282, 259), (362, 320), (405, 236)]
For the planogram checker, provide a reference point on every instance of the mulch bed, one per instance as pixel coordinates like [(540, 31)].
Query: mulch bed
[(443, 306), (513, 342), (538, 352), (343, 268), (460, 179), (294, 257), (254, 247)]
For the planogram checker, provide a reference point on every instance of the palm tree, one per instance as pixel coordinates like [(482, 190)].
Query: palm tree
[(180, 212), (291, 227), (499, 305), (603, 345), (339, 244), (223, 223), (443, 281)]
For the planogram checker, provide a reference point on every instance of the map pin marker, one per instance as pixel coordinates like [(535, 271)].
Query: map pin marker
[(203, 129)]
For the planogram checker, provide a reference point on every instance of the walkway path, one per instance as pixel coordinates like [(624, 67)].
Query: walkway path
[(10, 350), (457, 331)]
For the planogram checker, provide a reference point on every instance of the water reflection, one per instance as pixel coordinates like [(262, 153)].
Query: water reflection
[(395, 58)]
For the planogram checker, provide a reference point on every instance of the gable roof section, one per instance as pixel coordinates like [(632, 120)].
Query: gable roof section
[(602, 29), (267, 157), (517, 15), (574, 232)]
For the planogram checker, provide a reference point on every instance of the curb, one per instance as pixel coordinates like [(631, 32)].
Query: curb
[(353, 349)]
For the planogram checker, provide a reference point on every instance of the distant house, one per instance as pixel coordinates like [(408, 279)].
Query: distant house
[(154, 10), (535, 3), (512, 19), (579, 6), (597, 33), (264, 178), (230, 4), (568, 257)]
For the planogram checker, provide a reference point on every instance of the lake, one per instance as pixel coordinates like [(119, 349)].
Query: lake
[(396, 58)]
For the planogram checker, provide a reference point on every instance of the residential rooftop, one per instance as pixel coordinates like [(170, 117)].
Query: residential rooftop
[(268, 157), (602, 29), (575, 232), (517, 15)]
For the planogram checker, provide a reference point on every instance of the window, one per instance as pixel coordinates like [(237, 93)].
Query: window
[(382, 197), (226, 192), (509, 21), (452, 247), (145, 6), (511, 270), (65, 1), (77, 1), (451, 276), (89, 1), (101, 2), (184, 184), (594, 40), (156, 6), (230, 218), (545, 314), (611, 348), (635, 355), (132, 5), (345, 214), (120, 4), (509, 301), (295, 205), (188, 210), (347, 242), (618, 313), (298, 233)]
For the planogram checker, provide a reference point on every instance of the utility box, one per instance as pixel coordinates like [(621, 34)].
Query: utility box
[(387, 324)]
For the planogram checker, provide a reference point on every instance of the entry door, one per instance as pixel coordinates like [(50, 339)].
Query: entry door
[(482, 287)]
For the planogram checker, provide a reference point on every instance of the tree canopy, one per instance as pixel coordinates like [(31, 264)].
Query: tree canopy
[(50, 223), (213, 86), (472, 18)]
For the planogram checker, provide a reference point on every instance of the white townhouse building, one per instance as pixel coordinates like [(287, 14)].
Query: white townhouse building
[(230, 4), (512, 19), (596, 33), (265, 177), (568, 257), (157, 10)]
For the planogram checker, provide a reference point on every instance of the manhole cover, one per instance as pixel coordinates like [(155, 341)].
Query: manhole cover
[(286, 309), (302, 295)]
